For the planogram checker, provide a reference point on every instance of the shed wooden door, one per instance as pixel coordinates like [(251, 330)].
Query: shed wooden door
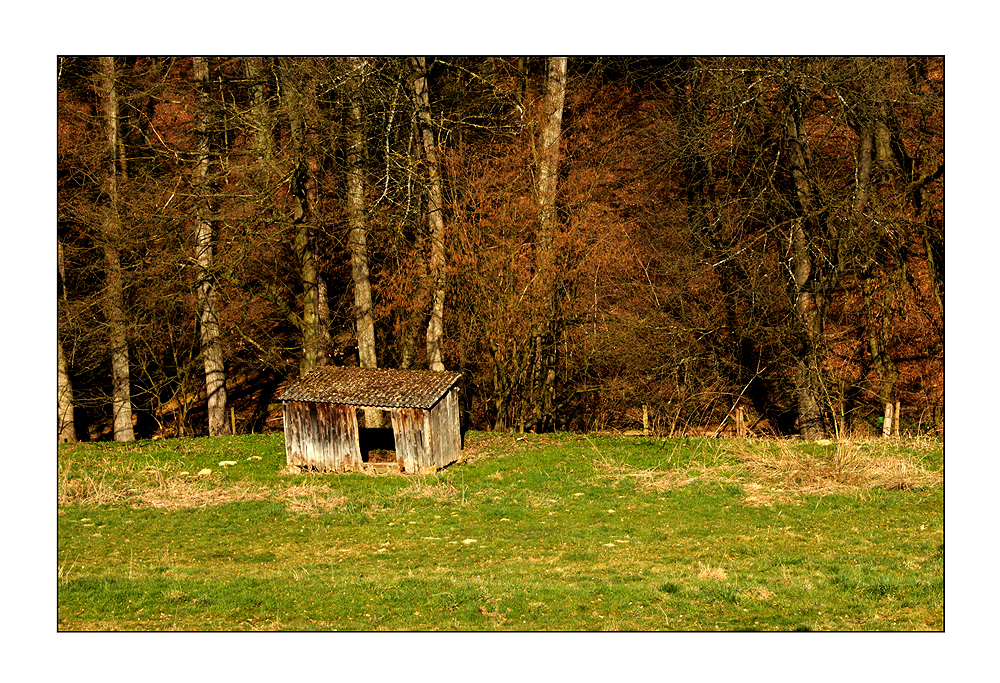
[(412, 428)]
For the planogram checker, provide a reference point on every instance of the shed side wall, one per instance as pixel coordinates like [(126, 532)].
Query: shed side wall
[(445, 431), (321, 435)]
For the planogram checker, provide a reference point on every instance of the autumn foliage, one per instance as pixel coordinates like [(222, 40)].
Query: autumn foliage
[(764, 233)]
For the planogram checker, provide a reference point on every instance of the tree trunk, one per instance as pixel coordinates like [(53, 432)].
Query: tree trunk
[(357, 230), (66, 423), (417, 312), (211, 348), (305, 195), (417, 309), (808, 302), (874, 310), (114, 300), (435, 215), (260, 115), (548, 175)]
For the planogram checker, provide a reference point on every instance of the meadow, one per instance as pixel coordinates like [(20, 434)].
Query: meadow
[(554, 532)]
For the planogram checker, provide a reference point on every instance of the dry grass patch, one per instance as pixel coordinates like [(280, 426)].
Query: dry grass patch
[(666, 480), (655, 480), (778, 469), (757, 593), (148, 486), (180, 493), (442, 492), (88, 490), (312, 499), (710, 573)]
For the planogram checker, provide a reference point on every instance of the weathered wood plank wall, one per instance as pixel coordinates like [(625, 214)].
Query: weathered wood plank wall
[(412, 429), (322, 435), (447, 438)]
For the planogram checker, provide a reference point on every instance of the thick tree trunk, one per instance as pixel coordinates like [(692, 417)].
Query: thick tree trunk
[(435, 216), (417, 310), (211, 348), (548, 175), (357, 230), (114, 300), (548, 157), (309, 278), (808, 303), (358, 234)]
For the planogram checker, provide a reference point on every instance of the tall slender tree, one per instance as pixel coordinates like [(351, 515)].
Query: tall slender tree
[(357, 241), (211, 347), (435, 214), (299, 103), (808, 288), (548, 176), (67, 425), (111, 236), (260, 114)]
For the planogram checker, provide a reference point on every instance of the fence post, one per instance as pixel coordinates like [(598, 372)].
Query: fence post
[(887, 422), (645, 420), (895, 420), (741, 427)]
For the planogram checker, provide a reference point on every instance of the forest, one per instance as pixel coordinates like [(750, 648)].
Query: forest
[(583, 238)]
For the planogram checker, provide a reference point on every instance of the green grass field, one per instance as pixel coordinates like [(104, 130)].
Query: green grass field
[(560, 532)]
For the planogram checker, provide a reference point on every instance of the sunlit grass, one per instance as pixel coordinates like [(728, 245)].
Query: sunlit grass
[(553, 532)]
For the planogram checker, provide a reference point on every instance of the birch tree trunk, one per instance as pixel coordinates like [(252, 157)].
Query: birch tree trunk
[(435, 215), (357, 230), (211, 348), (66, 423), (548, 176), (114, 300)]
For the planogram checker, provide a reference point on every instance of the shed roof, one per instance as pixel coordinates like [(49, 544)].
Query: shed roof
[(373, 388)]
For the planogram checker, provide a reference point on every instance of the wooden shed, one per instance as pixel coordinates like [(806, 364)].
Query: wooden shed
[(321, 423)]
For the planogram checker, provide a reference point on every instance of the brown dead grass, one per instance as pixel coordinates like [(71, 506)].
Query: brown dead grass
[(784, 470), (776, 472), (443, 492), (312, 499), (150, 487), (707, 572), (180, 493), (758, 593), (89, 491)]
